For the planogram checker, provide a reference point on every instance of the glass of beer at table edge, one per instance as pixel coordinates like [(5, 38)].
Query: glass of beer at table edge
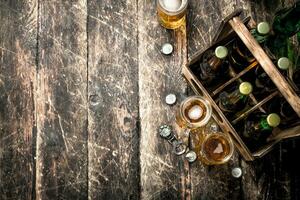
[(171, 13), (214, 147)]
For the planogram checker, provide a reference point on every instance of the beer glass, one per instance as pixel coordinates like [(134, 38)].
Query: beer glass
[(171, 13)]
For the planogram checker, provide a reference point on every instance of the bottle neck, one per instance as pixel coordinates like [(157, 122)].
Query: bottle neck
[(264, 126), (259, 37), (215, 63)]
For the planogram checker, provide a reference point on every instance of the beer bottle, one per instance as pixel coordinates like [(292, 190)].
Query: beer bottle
[(258, 127), (213, 65), (241, 57), (261, 32), (236, 100), (286, 24), (284, 109)]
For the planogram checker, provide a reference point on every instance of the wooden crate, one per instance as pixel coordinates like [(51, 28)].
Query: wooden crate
[(231, 28)]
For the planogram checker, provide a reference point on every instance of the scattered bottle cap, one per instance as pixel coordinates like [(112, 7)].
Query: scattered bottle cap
[(221, 52), (273, 120), (245, 88), (165, 131), (263, 28), (167, 48), (283, 63), (170, 99), (236, 172), (191, 156), (214, 127)]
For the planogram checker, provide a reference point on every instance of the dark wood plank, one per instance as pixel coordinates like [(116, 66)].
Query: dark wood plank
[(18, 31), (62, 101), (163, 175), (211, 182), (113, 100)]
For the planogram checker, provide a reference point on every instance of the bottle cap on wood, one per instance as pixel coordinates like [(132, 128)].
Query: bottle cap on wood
[(165, 131), (221, 52), (167, 49), (273, 120), (191, 156), (170, 99), (263, 28), (283, 63), (236, 172), (245, 88)]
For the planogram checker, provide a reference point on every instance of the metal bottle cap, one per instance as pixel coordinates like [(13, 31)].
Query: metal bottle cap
[(214, 127), (283, 63), (165, 131), (236, 172), (191, 156), (170, 99), (245, 88), (273, 120), (263, 28), (167, 49), (221, 52)]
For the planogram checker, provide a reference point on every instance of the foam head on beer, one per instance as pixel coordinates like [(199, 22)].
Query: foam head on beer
[(172, 5), (195, 112)]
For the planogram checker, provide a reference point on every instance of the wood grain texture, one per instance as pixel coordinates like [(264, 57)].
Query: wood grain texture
[(18, 30), (113, 100), (62, 101), (163, 175), (210, 182)]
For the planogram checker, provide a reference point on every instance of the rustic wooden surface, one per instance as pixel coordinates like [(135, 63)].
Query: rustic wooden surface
[(82, 88)]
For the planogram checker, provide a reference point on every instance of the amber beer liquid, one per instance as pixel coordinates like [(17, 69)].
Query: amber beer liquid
[(216, 148), (194, 112), (172, 13)]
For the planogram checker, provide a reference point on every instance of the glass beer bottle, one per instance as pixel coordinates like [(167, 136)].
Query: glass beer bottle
[(171, 13), (241, 57), (286, 24), (258, 127), (236, 100), (213, 65)]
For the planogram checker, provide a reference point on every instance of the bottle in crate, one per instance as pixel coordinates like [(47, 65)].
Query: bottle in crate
[(213, 66), (258, 127), (241, 57), (282, 107), (237, 100)]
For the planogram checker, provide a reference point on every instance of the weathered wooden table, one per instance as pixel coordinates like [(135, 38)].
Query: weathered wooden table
[(82, 88)]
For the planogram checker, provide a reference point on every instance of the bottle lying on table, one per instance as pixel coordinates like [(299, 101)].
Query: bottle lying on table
[(286, 24), (236, 100), (213, 66), (258, 127)]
